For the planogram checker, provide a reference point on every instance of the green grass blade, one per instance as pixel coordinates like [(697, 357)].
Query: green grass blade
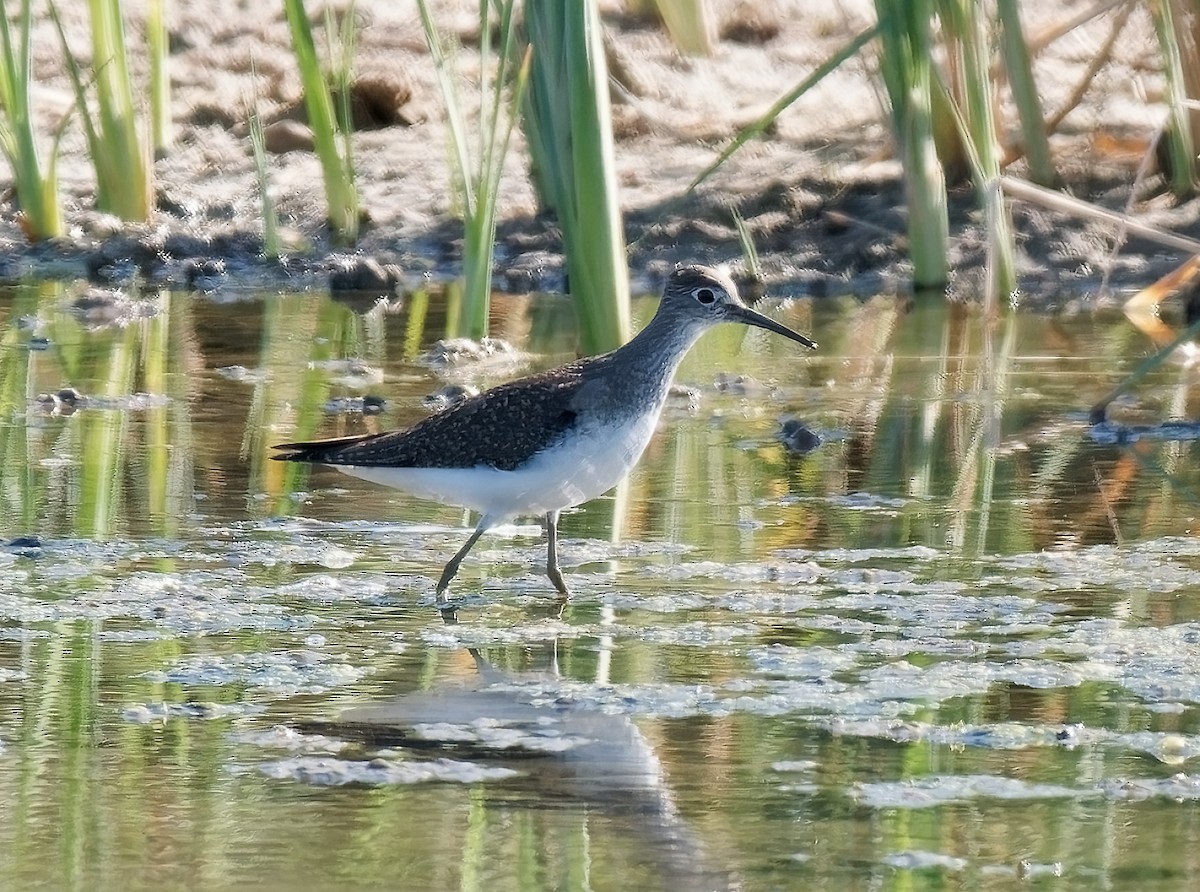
[(342, 45), (750, 131), (746, 240), (258, 143), (81, 98), (455, 123), (469, 314)]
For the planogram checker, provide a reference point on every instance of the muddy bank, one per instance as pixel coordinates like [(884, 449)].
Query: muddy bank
[(821, 194)]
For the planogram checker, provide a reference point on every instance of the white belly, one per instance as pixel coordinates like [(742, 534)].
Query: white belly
[(581, 468)]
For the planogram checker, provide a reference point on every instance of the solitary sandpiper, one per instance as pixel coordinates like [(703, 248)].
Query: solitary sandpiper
[(552, 440)]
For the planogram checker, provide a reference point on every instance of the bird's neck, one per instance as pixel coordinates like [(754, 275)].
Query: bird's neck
[(656, 351)]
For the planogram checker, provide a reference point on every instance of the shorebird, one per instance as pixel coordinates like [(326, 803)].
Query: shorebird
[(551, 440)]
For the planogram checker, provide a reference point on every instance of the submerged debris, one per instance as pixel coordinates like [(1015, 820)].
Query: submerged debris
[(330, 772), (105, 307), (449, 395), (364, 275), (62, 402), (926, 792), (457, 351), (352, 372), (798, 437), (204, 274), (742, 385), (914, 859), (1109, 433), (241, 374), (292, 672), (68, 401), (355, 405), (682, 398), (151, 713), (25, 545)]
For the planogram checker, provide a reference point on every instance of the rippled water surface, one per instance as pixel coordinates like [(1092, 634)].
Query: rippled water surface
[(955, 646)]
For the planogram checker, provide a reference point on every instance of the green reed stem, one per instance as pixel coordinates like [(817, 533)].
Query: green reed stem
[(690, 24), (1180, 145), (22, 481), (905, 38), (155, 358), (104, 442), (568, 124), (1019, 67), (124, 175), (414, 327), (477, 183), (128, 188), (341, 42), (160, 76), (332, 142), (36, 187), (963, 21)]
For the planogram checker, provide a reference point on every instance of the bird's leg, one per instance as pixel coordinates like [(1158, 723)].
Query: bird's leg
[(552, 570), (452, 567)]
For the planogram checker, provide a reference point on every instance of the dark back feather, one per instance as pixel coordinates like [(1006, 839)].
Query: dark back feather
[(502, 427)]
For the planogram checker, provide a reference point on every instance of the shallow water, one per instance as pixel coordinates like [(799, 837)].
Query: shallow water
[(955, 646)]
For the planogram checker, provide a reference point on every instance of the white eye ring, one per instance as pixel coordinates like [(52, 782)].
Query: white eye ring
[(704, 295)]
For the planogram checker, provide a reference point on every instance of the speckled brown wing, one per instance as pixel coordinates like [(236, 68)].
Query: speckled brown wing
[(502, 427)]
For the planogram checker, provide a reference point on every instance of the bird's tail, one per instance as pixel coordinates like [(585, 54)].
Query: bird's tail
[(318, 451)]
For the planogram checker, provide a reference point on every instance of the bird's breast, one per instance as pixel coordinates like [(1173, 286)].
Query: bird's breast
[(596, 455), (584, 463)]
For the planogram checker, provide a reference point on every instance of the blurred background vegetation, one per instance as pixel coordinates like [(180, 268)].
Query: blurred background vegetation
[(962, 82)]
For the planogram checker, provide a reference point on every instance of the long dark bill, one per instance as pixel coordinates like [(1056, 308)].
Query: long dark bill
[(750, 317)]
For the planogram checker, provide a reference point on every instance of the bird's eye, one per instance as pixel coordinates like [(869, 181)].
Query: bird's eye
[(705, 295)]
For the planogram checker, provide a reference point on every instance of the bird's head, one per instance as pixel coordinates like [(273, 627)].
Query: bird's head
[(708, 295)]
